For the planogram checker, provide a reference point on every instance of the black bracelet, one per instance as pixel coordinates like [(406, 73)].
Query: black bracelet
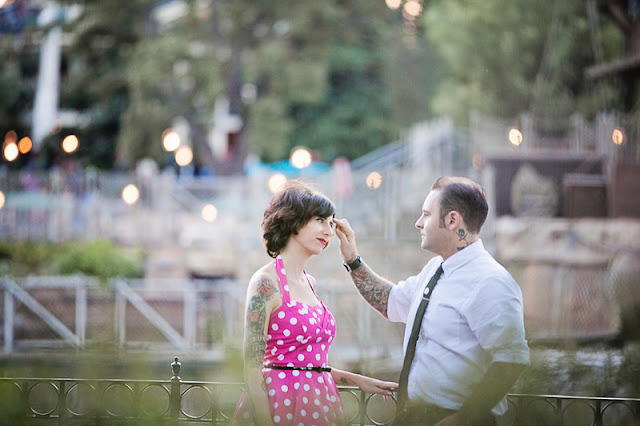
[(352, 266)]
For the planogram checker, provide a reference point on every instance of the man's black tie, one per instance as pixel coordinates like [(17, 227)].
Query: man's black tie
[(411, 346)]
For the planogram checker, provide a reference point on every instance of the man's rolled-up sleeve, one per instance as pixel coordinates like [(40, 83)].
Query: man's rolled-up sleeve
[(400, 298)]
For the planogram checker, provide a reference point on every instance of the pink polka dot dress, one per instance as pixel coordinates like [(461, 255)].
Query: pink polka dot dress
[(299, 336)]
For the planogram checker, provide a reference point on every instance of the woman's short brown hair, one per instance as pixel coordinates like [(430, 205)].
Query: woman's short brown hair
[(289, 210)]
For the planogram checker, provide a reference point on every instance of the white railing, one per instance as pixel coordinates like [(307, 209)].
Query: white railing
[(187, 316)]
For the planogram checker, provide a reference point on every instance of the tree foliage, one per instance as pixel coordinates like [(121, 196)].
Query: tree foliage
[(316, 69), (93, 79), (506, 57), (339, 77)]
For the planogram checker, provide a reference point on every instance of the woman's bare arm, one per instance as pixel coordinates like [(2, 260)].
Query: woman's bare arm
[(260, 303)]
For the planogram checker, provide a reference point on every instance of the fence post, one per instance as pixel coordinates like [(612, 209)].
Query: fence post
[(120, 321), (62, 403), (81, 312), (599, 417), (8, 320), (190, 311), (362, 415), (174, 396)]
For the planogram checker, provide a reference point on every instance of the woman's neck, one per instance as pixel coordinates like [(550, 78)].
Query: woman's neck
[(294, 261)]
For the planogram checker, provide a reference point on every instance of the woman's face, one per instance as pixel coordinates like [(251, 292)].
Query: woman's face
[(315, 235)]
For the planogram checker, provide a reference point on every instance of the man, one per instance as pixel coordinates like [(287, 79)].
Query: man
[(471, 346)]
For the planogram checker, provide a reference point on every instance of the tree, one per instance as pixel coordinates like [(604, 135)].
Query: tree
[(307, 73), (93, 81), (218, 50), (505, 57), (18, 71)]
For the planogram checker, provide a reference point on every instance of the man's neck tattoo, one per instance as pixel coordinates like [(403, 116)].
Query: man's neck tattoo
[(462, 236)]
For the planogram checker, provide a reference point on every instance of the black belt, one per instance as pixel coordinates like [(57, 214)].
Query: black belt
[(290, 367)]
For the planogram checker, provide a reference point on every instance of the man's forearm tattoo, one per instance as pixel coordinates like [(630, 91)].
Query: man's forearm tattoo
[(462, 236), (343, 381), (374, 291), (254, 339)]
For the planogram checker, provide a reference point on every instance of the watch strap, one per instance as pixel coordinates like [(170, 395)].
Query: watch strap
[(353, 265)]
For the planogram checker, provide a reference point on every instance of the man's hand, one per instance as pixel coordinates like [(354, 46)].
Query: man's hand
[(347, 239)]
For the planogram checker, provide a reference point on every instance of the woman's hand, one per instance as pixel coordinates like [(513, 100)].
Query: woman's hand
[(371, 385)]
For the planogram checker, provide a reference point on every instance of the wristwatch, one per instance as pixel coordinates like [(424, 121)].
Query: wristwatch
[(352, 266)]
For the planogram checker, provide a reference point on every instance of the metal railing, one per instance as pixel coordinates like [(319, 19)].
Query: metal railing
[(176, 401)]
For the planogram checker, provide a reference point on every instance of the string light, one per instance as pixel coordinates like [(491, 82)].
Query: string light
[(617, 136), (70, 144), (411, 9), (276, 182), (374, 180), (300, 157), (25, 145), (515, 137), (130, 194), (170, 140)]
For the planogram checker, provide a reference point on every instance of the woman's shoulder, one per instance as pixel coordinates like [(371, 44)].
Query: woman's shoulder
[(264, 279)]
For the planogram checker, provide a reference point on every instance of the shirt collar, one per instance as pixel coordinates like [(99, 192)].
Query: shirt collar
[(462, 257)]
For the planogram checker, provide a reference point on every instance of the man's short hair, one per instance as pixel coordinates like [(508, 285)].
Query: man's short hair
[(464, 196)]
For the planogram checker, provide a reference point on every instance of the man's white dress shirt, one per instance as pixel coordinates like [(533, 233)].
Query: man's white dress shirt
[(474, 318)]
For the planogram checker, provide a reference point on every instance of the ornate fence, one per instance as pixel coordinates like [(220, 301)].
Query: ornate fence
[(176, 401)]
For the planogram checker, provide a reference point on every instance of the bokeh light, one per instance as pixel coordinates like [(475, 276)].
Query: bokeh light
[(184, 156), (477, 161), (209, 213), (130, 194), (617, 136), (2, 200), (515, 137), (374, 180), (170, 140), (11, 151), (393, 4), (70, 144), (412, 8), (276, 182), (10, 137), (300, 157), (25, 145)]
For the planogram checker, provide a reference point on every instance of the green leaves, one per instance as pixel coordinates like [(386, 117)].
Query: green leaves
[(506, 57), (99, 259)]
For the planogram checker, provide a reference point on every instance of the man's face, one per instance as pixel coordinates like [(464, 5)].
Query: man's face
[(433, 236)]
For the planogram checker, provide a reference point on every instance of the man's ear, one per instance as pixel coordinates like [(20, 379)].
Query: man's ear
[(453, 220)]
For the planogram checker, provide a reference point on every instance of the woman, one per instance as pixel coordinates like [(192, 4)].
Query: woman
[(288, 330)]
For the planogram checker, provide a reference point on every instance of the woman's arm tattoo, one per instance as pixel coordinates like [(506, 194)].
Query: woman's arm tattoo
[(374, 289), (254, 339)]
